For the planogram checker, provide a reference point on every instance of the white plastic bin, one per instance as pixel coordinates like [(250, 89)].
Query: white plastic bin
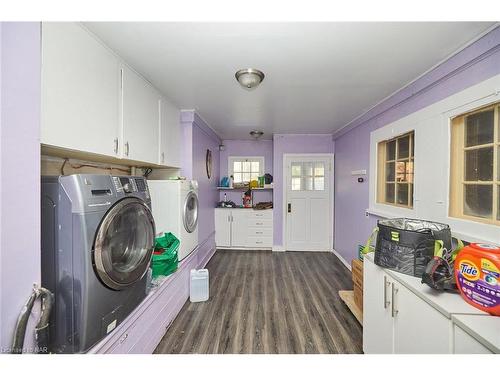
[(198, 288)]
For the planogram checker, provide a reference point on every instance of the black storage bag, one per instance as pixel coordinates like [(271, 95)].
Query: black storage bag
[(407, 245)]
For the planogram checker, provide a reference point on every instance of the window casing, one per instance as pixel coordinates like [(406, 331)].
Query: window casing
[(475, 166), (245, 169), (395, 166)]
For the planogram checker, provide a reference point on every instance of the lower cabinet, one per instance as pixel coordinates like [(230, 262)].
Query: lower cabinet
[(395, 320), (464, 343), (243, 228)]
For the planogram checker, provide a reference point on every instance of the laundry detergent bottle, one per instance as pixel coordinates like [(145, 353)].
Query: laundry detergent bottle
[(477, 271)]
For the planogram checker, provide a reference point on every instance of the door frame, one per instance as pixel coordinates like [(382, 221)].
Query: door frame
[(331, 156)]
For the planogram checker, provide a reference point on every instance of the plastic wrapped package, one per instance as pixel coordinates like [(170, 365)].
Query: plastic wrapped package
[(407, 245)]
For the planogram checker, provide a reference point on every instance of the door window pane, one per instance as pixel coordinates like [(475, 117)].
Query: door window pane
[(404, 147), (296, 183), (296, 169), (319, 169), (478, 200), (319, 183), (308, 183), (479, 164), (479, 128), (391, 150), (389, 193), (402, 194)]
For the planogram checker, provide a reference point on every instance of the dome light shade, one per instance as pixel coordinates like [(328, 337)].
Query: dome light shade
[(249, 78), (256, 134)]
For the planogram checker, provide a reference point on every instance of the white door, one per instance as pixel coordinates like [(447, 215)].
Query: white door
[(308, 203), (377, 310), (140, 117), (418, 327), (80, 91), (223, 227), (170, 135)]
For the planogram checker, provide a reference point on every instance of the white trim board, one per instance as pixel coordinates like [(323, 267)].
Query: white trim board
[(342, 259), (432, 160)]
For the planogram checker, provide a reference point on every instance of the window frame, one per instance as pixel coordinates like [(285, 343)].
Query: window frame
[(233, 159), (458, 180), (382, 163)]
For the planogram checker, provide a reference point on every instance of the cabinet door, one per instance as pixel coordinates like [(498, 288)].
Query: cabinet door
[(223, 227), (377, 319), (239, 231), (140, 118), (418, 327), (80, 91), (170, 135), (466, 344)]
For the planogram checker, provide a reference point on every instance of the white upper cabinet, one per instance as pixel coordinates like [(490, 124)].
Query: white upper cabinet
[(140, 118), (80, 91), (170, 135)]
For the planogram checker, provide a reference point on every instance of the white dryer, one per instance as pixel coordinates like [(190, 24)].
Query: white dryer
[(175, 209)]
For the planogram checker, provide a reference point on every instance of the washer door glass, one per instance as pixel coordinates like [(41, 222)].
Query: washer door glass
[(190, 212), (124, 243)]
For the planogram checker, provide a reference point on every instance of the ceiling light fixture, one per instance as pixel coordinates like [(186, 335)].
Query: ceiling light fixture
[(249, 78), (256, 134)]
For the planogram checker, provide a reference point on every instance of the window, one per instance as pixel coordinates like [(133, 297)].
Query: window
[(246, 169), (475, 166), (396, 170), (308, 176)]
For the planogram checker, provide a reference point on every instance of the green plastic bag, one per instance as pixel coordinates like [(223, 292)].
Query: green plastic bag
[(165, 263)]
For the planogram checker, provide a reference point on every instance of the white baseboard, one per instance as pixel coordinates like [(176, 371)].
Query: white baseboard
[(279, 248), (344, 262)]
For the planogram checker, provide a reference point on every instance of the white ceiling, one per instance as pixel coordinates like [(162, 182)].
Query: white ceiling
[(319, 76)]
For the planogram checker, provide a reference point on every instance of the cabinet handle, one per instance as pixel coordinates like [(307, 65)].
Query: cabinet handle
[(127, 148), (259, 232), (116, 145), (259, 242), (394, 291), (259, 223), (228, 218), (386, 284), (162, 157)]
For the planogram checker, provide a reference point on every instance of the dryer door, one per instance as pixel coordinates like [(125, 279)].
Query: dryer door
[(190, 212), (124, 243)]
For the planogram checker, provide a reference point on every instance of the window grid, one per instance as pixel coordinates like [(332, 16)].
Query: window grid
[(308, 176), (245, 170), (483, 180), (396, 171)]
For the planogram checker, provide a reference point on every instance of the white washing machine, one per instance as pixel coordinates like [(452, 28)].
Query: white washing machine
[(175, 209)]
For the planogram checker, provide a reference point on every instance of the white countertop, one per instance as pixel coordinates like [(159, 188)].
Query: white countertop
[(446, 303), (484, 328)]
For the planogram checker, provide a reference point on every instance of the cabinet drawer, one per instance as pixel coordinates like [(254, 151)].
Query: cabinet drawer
[(260, 232), (262, 214), (260, 223), (259, 241)]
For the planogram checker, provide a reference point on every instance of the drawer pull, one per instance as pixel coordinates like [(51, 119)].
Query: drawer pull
[(259, 232), (259, 223)]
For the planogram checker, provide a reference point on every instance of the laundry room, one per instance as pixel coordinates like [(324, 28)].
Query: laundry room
[(262, 186)]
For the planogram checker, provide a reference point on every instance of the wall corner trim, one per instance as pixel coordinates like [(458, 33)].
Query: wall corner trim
[(341, 258)]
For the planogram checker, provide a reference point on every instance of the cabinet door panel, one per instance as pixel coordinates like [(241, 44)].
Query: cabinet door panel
[(418, 327), (377, 319), (239, 228), (170, 135), (466, 344), (80, 90), (223, 227), (140, 118)]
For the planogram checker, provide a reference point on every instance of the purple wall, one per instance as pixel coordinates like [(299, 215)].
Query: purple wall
[(199, 137), (19, 173), (477, 62), (247, 148), (292, 144)]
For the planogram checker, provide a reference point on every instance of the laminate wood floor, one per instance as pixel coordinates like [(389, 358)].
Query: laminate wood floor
[(268, 302)]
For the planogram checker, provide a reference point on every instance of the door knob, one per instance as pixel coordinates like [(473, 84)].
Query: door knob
[(289, 207)]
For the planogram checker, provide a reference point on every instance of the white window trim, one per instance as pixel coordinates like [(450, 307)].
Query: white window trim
[(232, 159), (432, 161)]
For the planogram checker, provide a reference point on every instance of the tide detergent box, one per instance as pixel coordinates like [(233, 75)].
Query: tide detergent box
[(477, 272)]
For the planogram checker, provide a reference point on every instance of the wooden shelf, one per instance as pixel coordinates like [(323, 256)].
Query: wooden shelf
[(348, 297)]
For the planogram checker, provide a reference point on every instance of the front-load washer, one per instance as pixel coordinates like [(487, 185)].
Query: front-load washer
[(175, 209), (97, 240)]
